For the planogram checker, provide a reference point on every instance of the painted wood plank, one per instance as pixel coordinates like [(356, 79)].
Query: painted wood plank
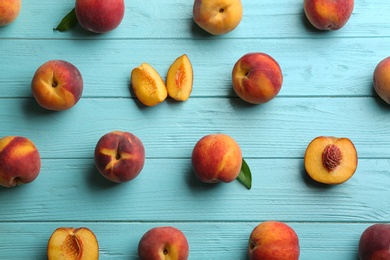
[(167, 190), (173, 19), (311, 67), (212, 241), (281, 128)]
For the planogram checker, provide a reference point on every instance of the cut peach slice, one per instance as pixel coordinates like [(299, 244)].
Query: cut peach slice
[(330, 160), (68, 243), (148, 85), (180, 79)]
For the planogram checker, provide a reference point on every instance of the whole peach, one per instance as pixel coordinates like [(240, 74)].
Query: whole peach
[(57, 85), (161, 243), (100, 16), (328, 14), (119, 156), (382, 79), (374, 243), (9, 11), (217, 16), (257, 77), (273, 240), (20, 161), (216, 157)]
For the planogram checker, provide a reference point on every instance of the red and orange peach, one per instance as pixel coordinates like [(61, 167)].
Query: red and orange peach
[(216, 157), (257, 77), (9, 11), (57, 85), (119, 156), (328, 14), (100, 16), (273, 240), (382, 79), (20, 161)]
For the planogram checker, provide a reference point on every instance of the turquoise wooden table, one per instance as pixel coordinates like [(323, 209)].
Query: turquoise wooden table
[(327, 90)]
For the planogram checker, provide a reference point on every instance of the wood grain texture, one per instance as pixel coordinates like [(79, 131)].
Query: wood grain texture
[(327, 90)]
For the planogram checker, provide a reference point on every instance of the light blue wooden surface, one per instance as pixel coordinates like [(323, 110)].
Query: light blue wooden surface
[(327, 90)]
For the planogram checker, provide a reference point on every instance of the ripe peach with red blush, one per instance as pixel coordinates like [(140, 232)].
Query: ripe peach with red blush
[(162, 243), (57, 85), (328, 14), (382, 79), (257, 78), (119, 156), (273, 240), (216, 157), (20, 161), (9, 11), (100, 16)]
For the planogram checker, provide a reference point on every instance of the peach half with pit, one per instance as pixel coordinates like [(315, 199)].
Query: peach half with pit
[(9, 11), (73, 244), (328, 14), (330, 160), (162, 243), (273, 240), (119, 156), (20, 161), (180, 79), (148, 85), (217, 16), (57, 85), (257, 78), (100, 16), (382, 79), (216, 157)]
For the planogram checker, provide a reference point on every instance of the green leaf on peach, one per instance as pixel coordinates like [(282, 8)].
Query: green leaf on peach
[(68, 22), (245, 176)]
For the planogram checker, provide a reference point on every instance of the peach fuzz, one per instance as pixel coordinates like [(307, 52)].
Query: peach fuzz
[(328, 14), (9, 11), (20, 161), (57, 85), (381, 79), (163, 243), (119, 156), (216, 157), (73, 244), (374, 242), (100, 16), (273, 240), (217, 16), (257, 78)]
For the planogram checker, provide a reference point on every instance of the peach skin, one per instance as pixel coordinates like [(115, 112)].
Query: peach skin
[(216, 157), (119, 156), (20, 161), (382, 79), (9, 11), (328, 14), (257, 78), (57, 85)]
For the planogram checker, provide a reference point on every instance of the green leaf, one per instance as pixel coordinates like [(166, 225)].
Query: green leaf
[(245, 176), (68, 22)]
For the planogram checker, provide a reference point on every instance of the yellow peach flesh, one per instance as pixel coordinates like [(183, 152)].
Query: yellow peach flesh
[(180, 79), (148, 85), (314, 163)]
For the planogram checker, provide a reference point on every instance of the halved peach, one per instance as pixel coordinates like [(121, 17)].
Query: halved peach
[(68, 243), (180, 78), (331, 160), (148, 85)]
